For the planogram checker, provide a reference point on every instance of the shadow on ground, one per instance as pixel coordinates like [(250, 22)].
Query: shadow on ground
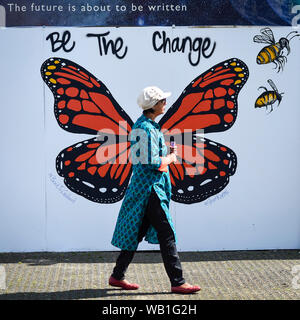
[(49, 258), (77, 294)]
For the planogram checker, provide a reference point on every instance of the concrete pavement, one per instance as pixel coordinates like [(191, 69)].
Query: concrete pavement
[(222, 275)]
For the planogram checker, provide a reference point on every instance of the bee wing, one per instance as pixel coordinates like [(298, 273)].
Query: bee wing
[(268, 33), (272, 84), (262, 39)]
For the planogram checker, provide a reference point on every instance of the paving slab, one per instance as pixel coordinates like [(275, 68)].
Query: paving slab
[(222, 275)]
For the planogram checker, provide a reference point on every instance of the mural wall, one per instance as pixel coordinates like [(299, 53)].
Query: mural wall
[(68, 103)]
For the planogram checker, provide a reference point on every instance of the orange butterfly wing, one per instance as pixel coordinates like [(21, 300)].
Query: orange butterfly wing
[(209, 104), (99, 168), (202, 170), (82, 103)]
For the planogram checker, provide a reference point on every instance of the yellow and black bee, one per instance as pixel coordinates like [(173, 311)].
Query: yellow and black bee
[(268, 98), (273, 52)]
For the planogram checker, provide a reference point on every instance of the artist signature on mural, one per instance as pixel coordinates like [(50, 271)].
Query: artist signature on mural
[(220, 196), (61, 188)]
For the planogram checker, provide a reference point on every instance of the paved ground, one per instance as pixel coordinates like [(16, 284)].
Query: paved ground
[(230, 275)]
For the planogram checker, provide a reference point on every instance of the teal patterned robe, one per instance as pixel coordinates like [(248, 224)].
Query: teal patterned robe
[(147, 146)]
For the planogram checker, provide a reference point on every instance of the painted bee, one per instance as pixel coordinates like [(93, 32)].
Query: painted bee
[(273, 52), (268, 98)]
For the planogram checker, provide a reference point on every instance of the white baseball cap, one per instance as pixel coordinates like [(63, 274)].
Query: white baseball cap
[(150, 96)]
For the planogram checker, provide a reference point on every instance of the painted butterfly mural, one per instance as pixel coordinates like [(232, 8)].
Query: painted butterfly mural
[(83, 104)]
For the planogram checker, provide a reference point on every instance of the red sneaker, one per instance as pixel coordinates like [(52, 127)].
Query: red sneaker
[(186, 289), (122, 284)]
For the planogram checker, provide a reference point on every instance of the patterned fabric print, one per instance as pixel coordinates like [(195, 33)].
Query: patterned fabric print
[(147, 146)]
